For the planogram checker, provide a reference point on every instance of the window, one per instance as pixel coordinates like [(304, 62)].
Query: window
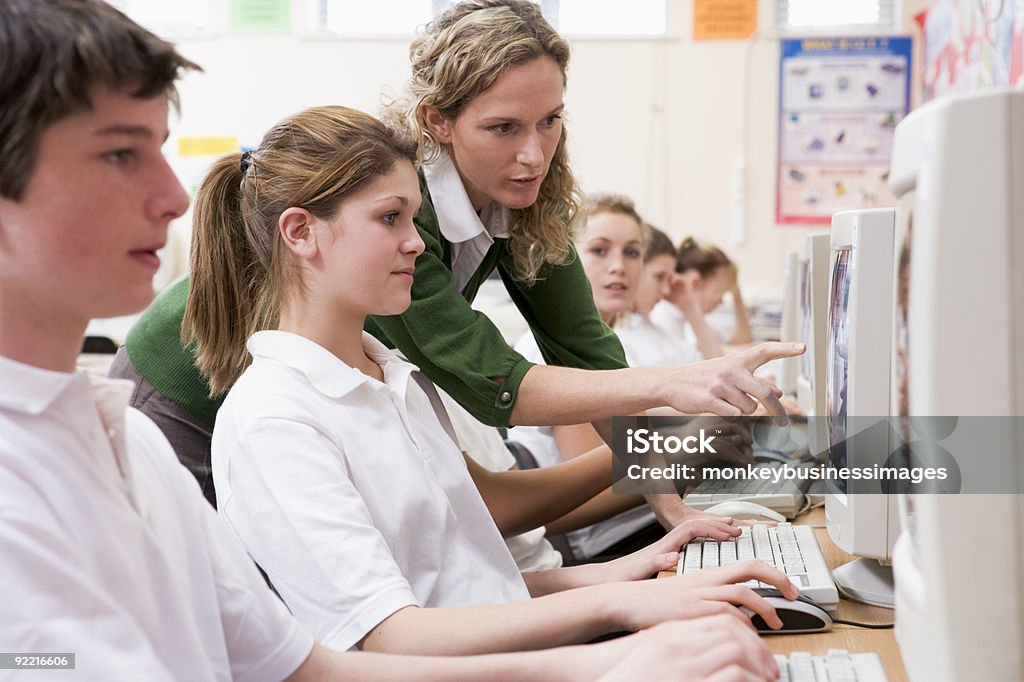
[(371, 17), (179, 19), (800, 15), (610, 17), (570, 17)]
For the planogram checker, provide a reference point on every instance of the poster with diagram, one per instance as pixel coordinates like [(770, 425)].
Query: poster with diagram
[(839, 102)]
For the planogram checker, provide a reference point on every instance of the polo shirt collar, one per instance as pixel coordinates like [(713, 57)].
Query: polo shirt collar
[(324, 370), (31, 390), (456, 217)]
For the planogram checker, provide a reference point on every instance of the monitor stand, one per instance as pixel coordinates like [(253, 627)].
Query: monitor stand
[(867, 581)]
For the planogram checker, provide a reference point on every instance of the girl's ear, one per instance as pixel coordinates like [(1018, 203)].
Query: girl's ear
[(296, 230), (439, 126)]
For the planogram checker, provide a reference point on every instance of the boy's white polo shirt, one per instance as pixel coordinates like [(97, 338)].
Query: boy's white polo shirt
[(349, 493), (108, 549)]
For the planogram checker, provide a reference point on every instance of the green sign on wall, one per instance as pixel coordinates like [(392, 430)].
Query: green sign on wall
[(261, 15)]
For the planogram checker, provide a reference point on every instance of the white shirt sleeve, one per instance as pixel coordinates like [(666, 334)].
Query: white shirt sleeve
[(264, 640), (291, 500)]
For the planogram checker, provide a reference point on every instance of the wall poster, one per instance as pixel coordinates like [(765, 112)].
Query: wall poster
[(839, 102)]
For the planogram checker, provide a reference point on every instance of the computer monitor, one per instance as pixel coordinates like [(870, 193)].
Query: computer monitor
[(790, 319), (810, 380), (857, 397), (958, 170)]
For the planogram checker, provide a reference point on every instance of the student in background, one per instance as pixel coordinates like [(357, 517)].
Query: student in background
[(109, 550), (704, 275), (645, 343), (485, 107), (334, 460)]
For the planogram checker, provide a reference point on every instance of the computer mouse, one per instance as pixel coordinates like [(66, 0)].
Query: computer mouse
[(740, 509), (798, 616)]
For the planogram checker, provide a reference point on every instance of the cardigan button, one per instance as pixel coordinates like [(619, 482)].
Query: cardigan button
[(506, 397)]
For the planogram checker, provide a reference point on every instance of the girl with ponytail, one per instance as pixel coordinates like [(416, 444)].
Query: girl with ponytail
[(334, 460)]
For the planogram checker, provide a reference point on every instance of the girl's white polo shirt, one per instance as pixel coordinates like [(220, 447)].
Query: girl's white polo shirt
[(349, 493), (650, 345)]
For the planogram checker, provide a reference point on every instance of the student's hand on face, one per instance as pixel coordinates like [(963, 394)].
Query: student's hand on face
[(711, 591), (712, 649), (727, 387), (685, 291)]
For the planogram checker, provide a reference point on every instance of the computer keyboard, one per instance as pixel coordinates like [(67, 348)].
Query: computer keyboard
[(838, 665), (785, 497), (792, 549)]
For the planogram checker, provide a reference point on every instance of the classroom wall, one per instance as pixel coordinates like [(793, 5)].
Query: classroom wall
[(687, 129)]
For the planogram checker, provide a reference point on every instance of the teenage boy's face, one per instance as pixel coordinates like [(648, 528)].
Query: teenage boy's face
[(655, 282), (82, 241)]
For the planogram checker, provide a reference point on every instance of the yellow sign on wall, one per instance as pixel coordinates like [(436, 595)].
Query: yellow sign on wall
[(724, 19), (207, 146)]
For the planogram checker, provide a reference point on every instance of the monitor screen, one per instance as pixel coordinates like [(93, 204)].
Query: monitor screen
[(806, 371), (838, 362)]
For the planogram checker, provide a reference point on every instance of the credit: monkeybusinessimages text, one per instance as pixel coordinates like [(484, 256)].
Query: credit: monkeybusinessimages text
[(876, 472)]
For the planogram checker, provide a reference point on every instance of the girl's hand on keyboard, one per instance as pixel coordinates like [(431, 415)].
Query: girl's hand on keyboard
[(712, 648), (711, 591), (692, 514), (661, 555)]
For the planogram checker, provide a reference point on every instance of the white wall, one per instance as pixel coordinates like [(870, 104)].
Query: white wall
[(665, 121)]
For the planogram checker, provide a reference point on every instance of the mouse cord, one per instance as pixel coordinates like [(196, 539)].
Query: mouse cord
[(870, 626)]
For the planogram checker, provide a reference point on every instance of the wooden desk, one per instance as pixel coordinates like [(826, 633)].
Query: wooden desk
[(853, 639)]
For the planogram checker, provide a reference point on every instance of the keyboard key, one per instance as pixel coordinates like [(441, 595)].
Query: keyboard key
[(836, 666)]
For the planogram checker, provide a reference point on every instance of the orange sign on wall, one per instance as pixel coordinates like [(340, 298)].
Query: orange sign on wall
[(724, 19)]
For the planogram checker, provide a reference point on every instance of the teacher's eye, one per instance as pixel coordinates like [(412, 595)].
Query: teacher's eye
[(502, 128), (550, 121)]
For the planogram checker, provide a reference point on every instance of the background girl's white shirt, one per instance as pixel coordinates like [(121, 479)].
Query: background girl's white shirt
[(349, 493), (672, 320), (540, 440), (649, 345), (484, 444)]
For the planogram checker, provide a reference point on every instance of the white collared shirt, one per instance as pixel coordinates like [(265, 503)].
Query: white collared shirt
[(670, 318), (650, 345), (470, 234), (349, 493), (110, 551)]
